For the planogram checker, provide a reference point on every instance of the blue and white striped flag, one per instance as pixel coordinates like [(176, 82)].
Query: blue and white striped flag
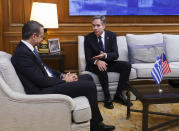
[(157, 71)]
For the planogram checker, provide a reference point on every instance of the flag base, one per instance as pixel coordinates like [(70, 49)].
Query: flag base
[(160, 91)]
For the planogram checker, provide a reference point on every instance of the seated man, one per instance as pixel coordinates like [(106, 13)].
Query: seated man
[(101, 53), (37, 78)]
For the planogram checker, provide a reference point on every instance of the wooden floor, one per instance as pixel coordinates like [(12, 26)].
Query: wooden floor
[(117, 116)]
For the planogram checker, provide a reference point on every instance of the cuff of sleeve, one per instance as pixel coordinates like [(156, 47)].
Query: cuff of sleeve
[(61, 76), (105, 55), (95, 62)]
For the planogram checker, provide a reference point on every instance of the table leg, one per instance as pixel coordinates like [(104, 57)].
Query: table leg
[(145, 117), (128, 106)]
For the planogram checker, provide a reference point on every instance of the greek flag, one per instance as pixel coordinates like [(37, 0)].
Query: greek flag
[(157, 71)]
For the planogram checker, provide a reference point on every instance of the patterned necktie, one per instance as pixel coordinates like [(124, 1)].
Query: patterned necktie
[(46, 67), (100, 43)]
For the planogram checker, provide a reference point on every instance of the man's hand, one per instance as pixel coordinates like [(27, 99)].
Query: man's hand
[(102, 66), (101, 55), (70, 77)]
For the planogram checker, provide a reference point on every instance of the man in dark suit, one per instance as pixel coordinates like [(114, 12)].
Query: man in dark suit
[(37, 78), (101, 53)]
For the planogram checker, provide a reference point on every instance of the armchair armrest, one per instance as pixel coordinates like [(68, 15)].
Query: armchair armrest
[(47, 98)]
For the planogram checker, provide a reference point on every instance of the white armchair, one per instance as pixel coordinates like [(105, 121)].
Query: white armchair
[(51, 112)]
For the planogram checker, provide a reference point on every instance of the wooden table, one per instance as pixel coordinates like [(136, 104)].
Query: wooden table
[(148, 94)]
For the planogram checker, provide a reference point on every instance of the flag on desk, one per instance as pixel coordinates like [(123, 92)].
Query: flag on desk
[(161, 68), (157, 71), (165, 66)]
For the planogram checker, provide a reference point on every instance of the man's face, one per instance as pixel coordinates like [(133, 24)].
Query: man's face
[(38, 38), (98, 27)]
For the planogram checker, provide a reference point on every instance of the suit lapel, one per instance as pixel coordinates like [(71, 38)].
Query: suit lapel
[(95, 42), (28, 50), (34, 57)]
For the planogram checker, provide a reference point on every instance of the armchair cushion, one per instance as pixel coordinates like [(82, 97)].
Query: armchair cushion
[(145, 53), (143, 70), (147, 39), (144, 48), (112, 76), (82, 110)]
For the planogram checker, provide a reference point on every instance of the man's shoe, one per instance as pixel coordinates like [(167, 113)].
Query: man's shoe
[(104, 127), (122, 100), (108, 104)]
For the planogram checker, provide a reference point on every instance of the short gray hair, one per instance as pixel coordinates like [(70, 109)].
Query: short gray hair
[(101, 17)]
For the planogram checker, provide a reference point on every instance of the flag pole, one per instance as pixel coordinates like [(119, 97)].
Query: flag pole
[(160, 90)]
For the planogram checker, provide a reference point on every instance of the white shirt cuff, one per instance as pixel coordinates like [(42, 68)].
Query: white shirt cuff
[(95, 62), (105, 55)]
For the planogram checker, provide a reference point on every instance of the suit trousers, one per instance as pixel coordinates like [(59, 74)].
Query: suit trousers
[(122, 67), (83, 87)]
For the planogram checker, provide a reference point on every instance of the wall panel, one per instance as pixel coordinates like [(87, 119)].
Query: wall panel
[(16, 15), (12, 45), (16, 12), (71, 55)]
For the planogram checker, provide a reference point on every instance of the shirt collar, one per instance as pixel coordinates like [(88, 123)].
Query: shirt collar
[(102, 35), (28, 45)]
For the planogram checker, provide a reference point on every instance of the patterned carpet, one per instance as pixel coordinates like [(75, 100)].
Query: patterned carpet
[(117, 116)]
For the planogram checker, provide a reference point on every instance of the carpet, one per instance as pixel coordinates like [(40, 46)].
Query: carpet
[(117, 116)]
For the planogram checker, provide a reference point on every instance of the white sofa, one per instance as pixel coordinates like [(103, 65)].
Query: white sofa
[(51, 112), (142, 51)]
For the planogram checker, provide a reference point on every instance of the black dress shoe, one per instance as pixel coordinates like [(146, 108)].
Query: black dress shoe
[(104, 127), (108, 104), (122, 100)]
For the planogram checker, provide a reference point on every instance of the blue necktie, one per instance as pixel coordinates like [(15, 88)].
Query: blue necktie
[(38, 57), (100, 43), (40, 60)]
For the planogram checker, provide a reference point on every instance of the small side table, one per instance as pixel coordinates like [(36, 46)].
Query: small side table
[(59, 57)]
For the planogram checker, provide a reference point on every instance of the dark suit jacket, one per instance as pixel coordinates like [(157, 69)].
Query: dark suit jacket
[(92, 48), (31, 72)]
